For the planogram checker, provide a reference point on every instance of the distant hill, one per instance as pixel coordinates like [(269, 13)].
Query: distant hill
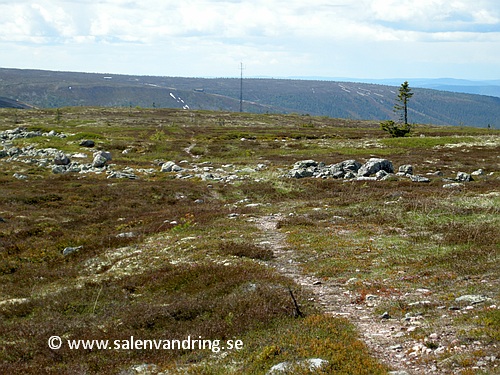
[(49, 89), (11, 103)]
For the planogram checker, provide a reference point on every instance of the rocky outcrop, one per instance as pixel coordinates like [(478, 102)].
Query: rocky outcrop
[(372, 170)]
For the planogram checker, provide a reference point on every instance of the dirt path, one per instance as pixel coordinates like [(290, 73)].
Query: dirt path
[(385, 337)]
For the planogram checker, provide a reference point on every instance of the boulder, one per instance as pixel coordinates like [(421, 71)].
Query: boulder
[(58, 169), (101, 158), (374, 165), (87, 143), (301, 173), (305, 164), (170, 166), (463, 177), (61, 159), (340, 170), (70, 250), (405, 169)]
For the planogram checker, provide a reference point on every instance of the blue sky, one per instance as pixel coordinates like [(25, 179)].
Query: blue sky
[(273, 38)]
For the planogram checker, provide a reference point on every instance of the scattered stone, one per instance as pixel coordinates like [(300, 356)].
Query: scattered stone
[(70, 250), (286, 367), (454, 185), (381, 175), (398, 373), (61, 159), (100, 159), (396, 347), (472, 299), (126, 235), (385, 315), (374, 165), (87, 143), (20, 176), (305, 164), (143, 369), (129, 175), (405, 169), (170, 166), (464, 177), (79, 155), (59, 169), (479, 172), (419, 179)]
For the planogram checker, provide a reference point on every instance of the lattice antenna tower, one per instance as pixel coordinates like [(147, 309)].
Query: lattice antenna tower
[(241, 87)]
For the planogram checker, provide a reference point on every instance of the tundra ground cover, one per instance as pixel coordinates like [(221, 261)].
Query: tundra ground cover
[(192, 265)]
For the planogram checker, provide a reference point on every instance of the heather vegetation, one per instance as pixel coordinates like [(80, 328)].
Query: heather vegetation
[(169, 255)]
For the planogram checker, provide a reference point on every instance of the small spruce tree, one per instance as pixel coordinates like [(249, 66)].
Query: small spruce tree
[(402, 128)]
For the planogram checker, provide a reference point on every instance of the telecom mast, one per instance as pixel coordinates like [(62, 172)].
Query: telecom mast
[(241, 87)]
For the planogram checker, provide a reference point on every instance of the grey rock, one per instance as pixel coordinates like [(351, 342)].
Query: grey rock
[(374, 165), (453, 185), (464, 177), (302, 173), (99, 161), (285, 367), (170, 166), (398, 372), (340, 170), (385, 315), (479, 172), (20, 176), (472, 299), (143, 369), (396, 347), (437, 173), (417, 178), (381, 175), (59, 169), (70, 250), (3, 154), (13, 151), (405, 169), (305, 164), (87, 143), (126, 235), (61, 159), (129, 175)]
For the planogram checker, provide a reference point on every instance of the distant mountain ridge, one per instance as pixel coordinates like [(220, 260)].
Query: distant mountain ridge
[(356, 100), (482, 87)]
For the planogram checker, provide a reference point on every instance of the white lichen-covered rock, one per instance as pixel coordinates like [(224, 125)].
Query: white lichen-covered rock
[(310, 364), (374, 165), (170, 166), (101, 158)]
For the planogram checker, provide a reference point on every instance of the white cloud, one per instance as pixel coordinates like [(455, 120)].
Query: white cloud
[(272, 36)]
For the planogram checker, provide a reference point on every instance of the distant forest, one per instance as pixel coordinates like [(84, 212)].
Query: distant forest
[(49, 89)]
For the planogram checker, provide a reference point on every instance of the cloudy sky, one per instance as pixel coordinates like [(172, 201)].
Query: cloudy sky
[(273, 38)]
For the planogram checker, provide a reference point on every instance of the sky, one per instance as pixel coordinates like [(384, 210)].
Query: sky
[(270, 38)]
